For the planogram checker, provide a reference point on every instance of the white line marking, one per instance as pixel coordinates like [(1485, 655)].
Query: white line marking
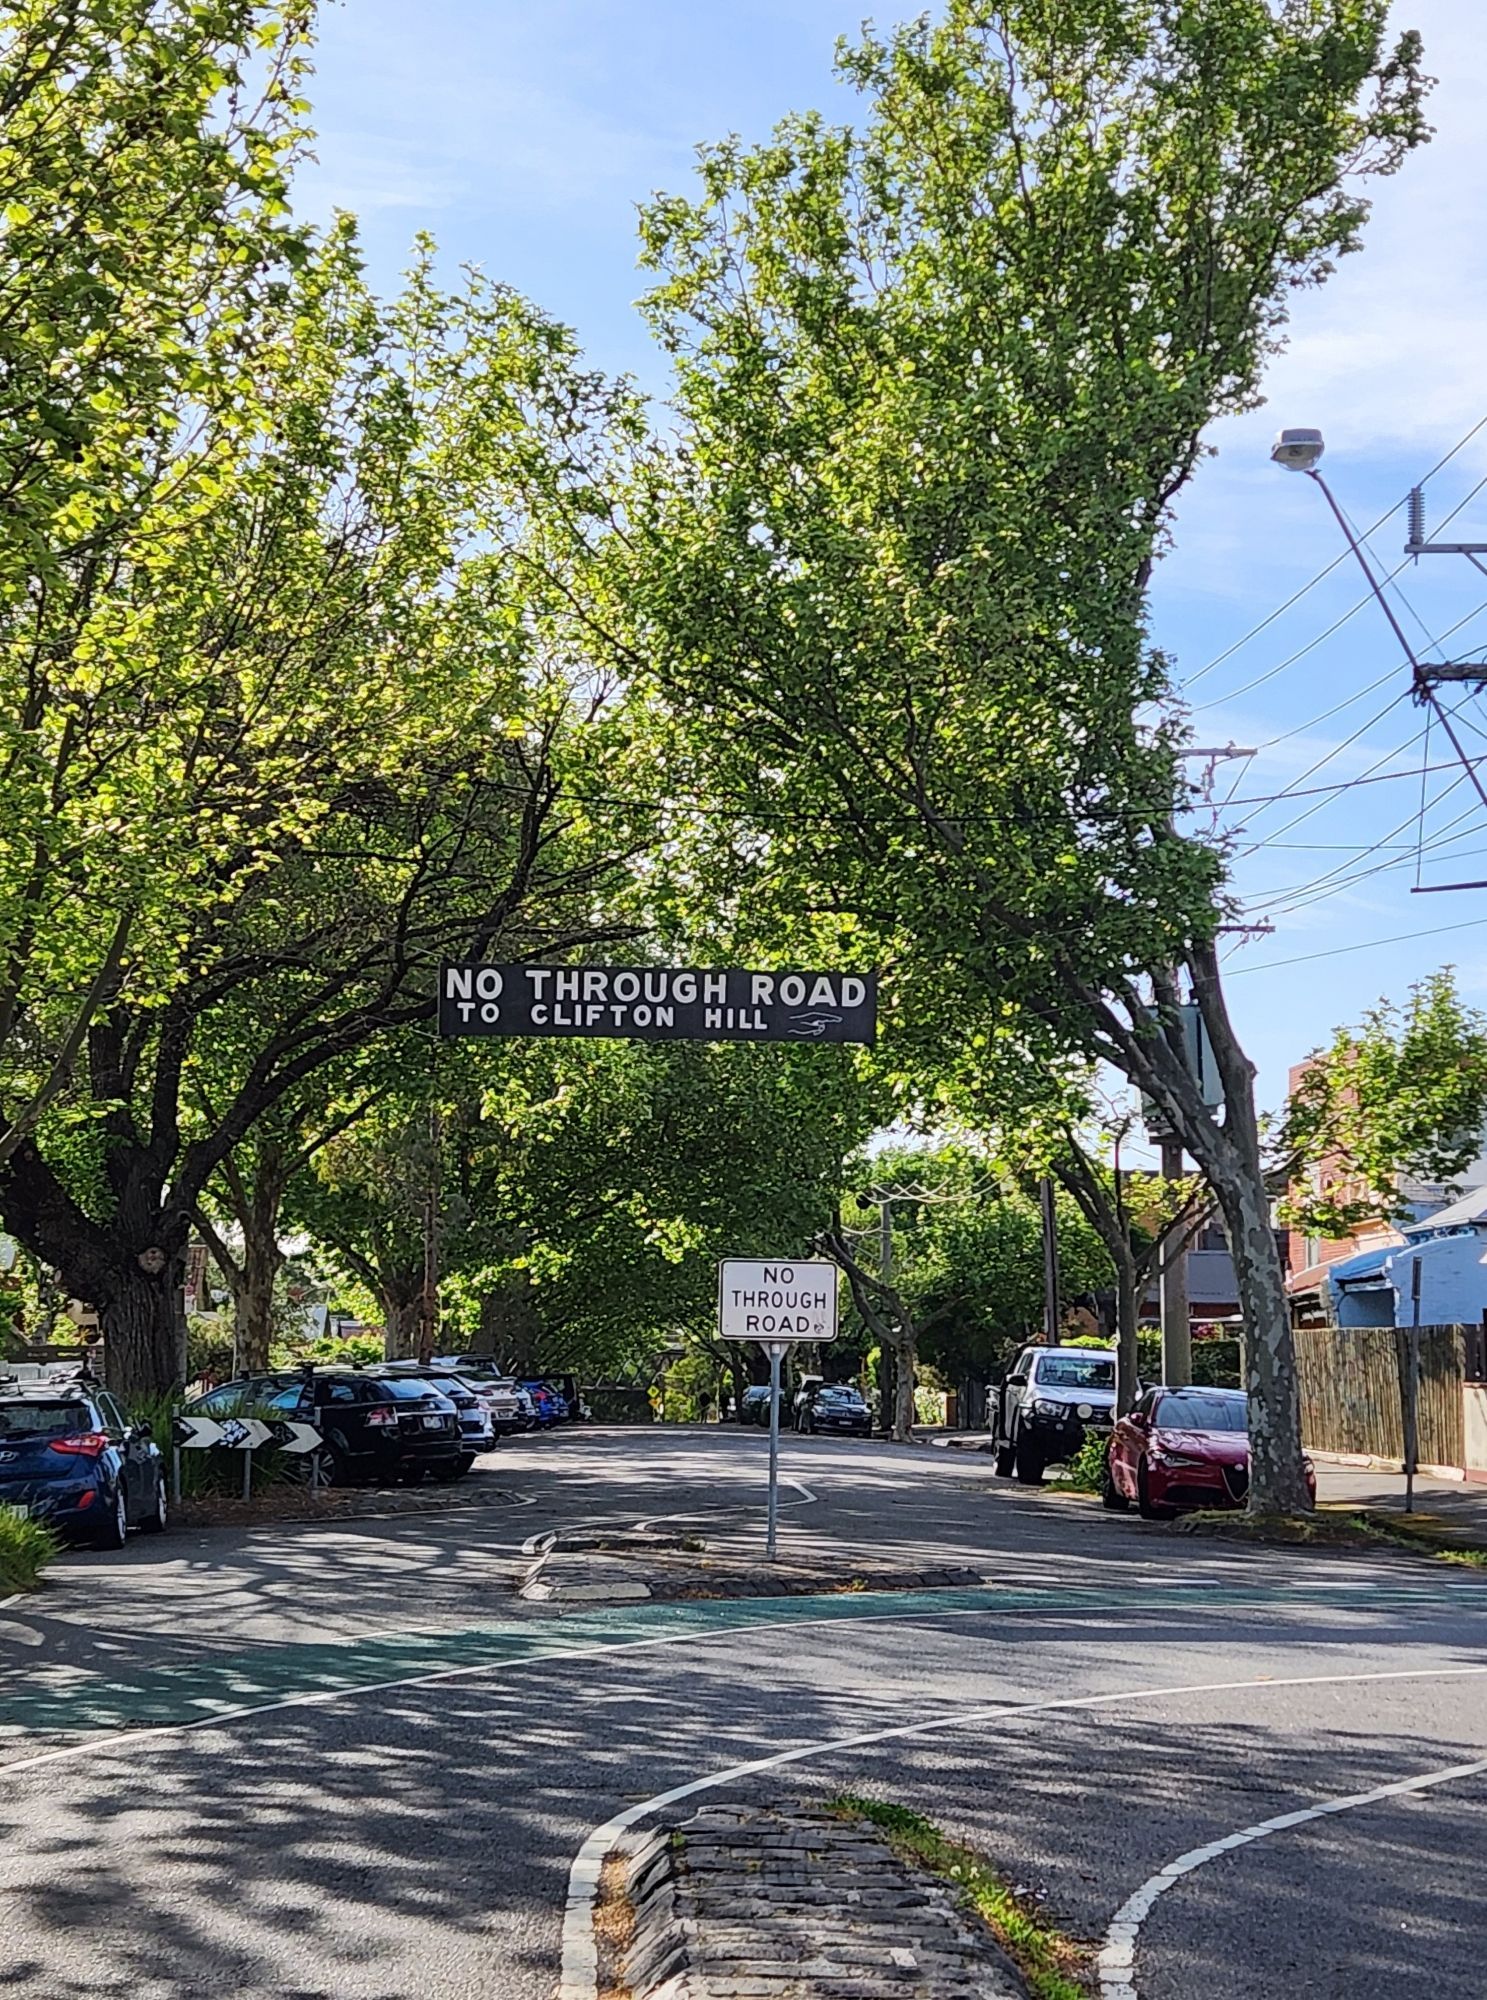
[(1117, 1962), (579, 1978), (99, 1743), (4, 1601)]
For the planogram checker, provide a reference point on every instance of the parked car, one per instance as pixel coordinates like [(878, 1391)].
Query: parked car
[(549, 1406), (378, 1424), (1182, 1448), (509, 1404), (70, 1458), (477, 1431), (833, 1406), (1051, 1398), (754, 1409)]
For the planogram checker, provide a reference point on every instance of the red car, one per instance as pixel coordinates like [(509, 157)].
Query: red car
[(1182, 1448)]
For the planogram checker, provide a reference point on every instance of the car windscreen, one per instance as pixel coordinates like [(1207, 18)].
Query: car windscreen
[(838, 1396), (1075, 1371), (1201, 1413), (409, 1388), (43, 1419)]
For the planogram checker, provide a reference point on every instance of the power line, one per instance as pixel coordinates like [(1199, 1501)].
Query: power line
[(1372, 944), (1342, 785), (1336, 751)]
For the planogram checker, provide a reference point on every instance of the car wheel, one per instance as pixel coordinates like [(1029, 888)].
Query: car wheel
[(1004, 1461), (1111, 1496), (158, 1519), (115, 1529), (1028, 1462), (1147, 1507)]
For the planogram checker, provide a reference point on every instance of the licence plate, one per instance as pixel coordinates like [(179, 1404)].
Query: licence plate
[(433, 1423), (17, 1507)]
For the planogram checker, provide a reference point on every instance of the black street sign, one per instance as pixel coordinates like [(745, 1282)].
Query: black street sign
[(657, 1004)]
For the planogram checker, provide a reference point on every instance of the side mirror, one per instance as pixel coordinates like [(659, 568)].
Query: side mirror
[(1139, 1419), (1017, 1381)]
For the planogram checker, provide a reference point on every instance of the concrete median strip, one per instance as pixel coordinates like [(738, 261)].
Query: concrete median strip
[(791, 1903)]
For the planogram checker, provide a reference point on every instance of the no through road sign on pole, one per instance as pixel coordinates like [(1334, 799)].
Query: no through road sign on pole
[(772, 1299), (776, 1303)]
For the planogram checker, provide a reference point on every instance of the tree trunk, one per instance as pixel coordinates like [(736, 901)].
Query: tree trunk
[(887, 1386), (142, 1350), (403, 1315), (253, 1312), (903, 1400), (1277, 1474)]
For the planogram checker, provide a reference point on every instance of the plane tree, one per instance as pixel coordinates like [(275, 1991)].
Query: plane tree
[(939, 379), (364, 773)]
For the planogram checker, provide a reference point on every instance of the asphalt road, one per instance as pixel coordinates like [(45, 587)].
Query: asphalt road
[(344, 1762)]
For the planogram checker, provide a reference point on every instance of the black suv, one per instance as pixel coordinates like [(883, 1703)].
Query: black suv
[(378, 1424), (70, 1458), (1050, 1399)]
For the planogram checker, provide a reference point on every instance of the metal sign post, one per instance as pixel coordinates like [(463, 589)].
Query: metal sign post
[(1412, 1392), (778, 1349), (776, 1303)]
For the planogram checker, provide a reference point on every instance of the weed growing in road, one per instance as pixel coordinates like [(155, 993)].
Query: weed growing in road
[(26, 1547), (1053, 1965)]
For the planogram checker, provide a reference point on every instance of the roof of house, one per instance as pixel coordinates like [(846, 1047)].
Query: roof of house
[(1366, 1269), (1470, 1207)]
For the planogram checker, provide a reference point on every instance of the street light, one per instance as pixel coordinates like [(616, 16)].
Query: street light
[(1298, 450)]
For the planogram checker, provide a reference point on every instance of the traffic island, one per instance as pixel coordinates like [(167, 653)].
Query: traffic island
[(789, 1903), (617, 1568)]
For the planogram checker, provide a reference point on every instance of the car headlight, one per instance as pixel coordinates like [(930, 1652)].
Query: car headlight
[(1085, 1411), (1163, 1457), (1042, 1408)]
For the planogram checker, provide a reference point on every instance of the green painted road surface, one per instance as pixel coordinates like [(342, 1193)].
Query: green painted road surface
[(63, 1699)]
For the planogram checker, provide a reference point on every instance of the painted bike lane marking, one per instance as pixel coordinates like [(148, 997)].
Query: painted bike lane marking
[(1117, 1961)]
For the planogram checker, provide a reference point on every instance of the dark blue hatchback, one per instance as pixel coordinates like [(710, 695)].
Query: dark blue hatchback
[(70, 1459)]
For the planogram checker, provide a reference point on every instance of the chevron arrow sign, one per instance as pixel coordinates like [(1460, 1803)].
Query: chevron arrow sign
[(293, 1438)]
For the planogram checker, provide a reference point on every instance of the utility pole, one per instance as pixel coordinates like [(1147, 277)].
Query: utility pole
[(1172, 1282), (1050, 1261)]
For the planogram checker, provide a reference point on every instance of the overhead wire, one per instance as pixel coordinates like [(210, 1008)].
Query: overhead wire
[(1391, 576), (1341, 950)]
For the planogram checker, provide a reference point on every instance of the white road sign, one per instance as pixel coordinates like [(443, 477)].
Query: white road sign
[(196, 1433), (296, 1437), (773, 1299)]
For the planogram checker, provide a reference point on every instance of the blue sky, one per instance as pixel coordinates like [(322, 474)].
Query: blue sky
[(523, 136)]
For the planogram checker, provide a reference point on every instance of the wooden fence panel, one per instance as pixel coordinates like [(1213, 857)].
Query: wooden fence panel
[(1351, 1382)]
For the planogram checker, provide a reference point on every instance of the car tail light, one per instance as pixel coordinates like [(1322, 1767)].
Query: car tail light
[(86, 1444), (385, 1416)]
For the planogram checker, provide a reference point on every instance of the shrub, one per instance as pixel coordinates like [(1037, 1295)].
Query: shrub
[(26, 1547), (1086, 1469)]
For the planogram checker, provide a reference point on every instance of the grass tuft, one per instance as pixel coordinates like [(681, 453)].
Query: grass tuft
[(1054, 1967), (26, 1547)]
